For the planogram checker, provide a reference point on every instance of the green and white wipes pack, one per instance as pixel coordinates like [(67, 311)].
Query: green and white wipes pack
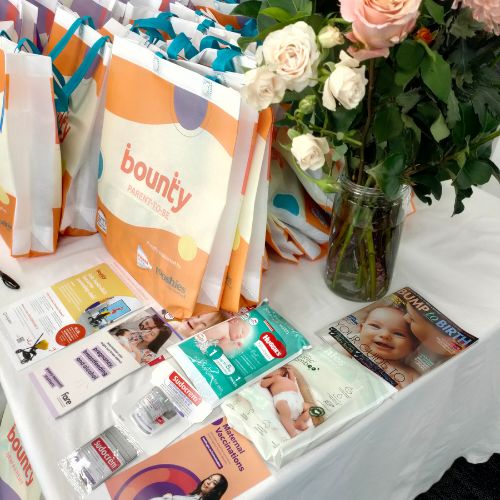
[(231, 354)]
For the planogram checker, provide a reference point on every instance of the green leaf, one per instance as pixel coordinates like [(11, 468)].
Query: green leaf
[(467, 127), (486, 99), (473, 173), (408, 100), (387, 123), (409, 55), (460, 194), (437, 76), (388, 175), (410, 124), (403, 79), (439, 130), (453, 114), (465, 26), (292, 133), (277, 13), (339, 152), (342, 119), (430, 181), (436, 11), (248, 9)]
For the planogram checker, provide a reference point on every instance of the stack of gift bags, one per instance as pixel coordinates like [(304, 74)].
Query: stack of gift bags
[(141, 127), (126, 118)]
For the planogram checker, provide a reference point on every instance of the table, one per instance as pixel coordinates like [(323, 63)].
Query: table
[(396, 452)]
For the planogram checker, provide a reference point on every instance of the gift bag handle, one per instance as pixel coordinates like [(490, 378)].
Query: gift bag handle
[(179, 43), (5, 34), (61, 44), (205, 25), (225, 60), (214, 42), (153, 25), (87, 62)]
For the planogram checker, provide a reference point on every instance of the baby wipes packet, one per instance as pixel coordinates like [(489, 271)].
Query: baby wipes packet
[(304, 403), (233, 353), (90, 465), (157, 413)]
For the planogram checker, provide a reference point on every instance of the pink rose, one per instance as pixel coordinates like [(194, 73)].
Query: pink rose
[(378, 24)]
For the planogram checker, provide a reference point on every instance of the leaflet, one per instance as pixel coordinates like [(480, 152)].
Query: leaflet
[(214, 462), (48, 321), (94, 363)]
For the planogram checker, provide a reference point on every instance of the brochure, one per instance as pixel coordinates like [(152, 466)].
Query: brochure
[(399, 337), (48, 321), (214, 462), (305, 403), (17, 479), (237, 351), (94, 363)]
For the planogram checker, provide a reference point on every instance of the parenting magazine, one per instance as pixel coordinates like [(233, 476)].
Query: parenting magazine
[(215, 462), (399, 337)]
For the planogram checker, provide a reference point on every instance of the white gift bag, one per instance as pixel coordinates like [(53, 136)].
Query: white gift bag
[(30, 163), (80, 127)]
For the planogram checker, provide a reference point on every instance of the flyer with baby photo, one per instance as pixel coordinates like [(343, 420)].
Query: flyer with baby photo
[(400, 337), (214, 462), (87, 367), (48, 321)]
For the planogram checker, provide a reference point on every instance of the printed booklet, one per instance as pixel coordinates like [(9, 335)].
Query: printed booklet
[(399, 337), (214, 462), (37, 326)]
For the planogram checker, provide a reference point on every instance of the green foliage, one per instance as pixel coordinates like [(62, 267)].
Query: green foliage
[(434, 105)]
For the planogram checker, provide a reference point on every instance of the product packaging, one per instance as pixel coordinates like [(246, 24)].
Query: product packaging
[(233, 353), (304, 403), (159, 412), (93, 463)]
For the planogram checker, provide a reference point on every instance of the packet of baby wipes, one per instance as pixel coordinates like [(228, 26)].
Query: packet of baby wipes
[(90, 465), (234, 353), (304, 403), (157, 413)]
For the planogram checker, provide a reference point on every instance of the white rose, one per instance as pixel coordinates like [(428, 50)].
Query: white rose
[(347, 84), (263, 87), (330, 36), (310, 151), (292, 52)]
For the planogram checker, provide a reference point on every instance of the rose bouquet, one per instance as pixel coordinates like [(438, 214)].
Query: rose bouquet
[(402, 92)]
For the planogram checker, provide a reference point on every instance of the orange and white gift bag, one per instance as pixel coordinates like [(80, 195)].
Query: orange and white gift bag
[(30, 162), (167, 146), (241, 245), (80, 127)]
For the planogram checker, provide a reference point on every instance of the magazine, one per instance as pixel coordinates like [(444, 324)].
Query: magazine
[(214, 462), (37, 326), (399, 337), (305, 403), (94, 363)]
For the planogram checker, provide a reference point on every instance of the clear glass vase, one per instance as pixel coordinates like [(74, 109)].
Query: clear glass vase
[(364, 241)]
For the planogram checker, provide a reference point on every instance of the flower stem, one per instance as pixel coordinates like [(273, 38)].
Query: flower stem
[(371, 86)]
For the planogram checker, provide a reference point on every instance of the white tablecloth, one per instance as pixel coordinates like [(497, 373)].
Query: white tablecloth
[(396, 452)]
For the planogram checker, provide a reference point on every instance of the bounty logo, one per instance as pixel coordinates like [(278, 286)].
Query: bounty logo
[(142, 259)]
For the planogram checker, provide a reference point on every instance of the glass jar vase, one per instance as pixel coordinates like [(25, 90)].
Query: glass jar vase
[(364, 241)]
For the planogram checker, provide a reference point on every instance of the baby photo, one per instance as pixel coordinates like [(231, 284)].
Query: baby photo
[(145, 336)]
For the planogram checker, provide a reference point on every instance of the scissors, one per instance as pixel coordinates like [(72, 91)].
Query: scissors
[(9, 282)]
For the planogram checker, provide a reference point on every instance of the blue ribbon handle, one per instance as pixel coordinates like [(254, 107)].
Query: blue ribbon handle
[(61, 44), (5, 34), (225, 60), (213, 42), (179, 43)]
